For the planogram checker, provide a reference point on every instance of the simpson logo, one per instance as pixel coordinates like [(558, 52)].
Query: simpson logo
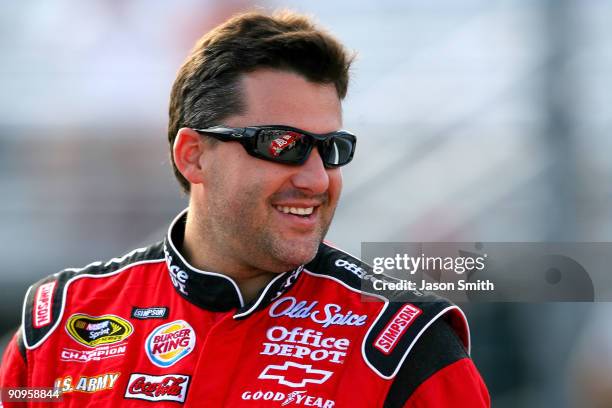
[(42, 304), (170, 387), (387, 340), (96, 383), (290, 373), (99, 353), (93, 331), (149, 313), (170, 342)]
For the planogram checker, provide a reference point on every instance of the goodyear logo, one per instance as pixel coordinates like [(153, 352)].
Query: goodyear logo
[(93, 331), (170, 342)]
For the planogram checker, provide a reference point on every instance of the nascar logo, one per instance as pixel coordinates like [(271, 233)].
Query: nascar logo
[(93, 331), (170, 342)]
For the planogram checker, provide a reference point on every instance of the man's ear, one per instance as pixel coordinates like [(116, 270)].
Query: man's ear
[(187, 150)]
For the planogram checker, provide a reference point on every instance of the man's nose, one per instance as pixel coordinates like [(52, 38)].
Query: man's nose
[(312, 175)]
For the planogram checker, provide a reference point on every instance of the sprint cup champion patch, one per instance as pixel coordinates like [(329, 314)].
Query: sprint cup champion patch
[(170, 342), (93, 331)]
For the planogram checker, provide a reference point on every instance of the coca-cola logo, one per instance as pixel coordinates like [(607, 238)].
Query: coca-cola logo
[(170, 387)]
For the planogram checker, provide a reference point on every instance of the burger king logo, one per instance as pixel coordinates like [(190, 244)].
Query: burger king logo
[(169, 343)]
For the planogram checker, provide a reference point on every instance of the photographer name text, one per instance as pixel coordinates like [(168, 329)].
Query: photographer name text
[(462, 285)]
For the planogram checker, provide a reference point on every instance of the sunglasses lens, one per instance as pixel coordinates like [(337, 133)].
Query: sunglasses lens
[(338, 150), (286, 146), (283, 146)]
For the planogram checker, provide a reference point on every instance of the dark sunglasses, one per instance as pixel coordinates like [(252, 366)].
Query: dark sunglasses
[(288, 145)]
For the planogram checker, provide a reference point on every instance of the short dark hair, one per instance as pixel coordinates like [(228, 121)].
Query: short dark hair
[(207, 87)]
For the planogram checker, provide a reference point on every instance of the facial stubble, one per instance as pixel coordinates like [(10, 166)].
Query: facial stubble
[(241, 226)]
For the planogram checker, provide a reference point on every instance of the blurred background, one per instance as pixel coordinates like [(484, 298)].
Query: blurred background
[(478, 120)]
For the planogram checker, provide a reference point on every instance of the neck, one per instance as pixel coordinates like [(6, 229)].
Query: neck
[(199, 253)]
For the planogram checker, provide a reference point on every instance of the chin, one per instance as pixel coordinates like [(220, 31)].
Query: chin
[(296, 255)]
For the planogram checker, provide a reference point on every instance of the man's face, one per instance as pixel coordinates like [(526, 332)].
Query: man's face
[(246, 199)]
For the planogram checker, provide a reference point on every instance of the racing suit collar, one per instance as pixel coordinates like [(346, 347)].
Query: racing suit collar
[(211, 290)]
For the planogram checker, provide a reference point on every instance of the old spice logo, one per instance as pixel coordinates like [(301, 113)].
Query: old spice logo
[(170, 387), (170, 342), (42, 304), (289, 281), (330, 315), (177, 275), (395, 329)]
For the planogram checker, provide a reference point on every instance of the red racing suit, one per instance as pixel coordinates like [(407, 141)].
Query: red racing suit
[(149, 329)]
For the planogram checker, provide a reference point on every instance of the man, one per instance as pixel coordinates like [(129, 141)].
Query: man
[(242, 305)]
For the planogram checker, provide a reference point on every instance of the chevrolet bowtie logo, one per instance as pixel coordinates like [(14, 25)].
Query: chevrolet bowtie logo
[(294, 375)]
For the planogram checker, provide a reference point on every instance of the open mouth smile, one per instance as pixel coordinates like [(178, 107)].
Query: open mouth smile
[(304, 211)]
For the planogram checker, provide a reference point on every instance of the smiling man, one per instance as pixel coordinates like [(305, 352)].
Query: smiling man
[(255, 218), (242, 303)]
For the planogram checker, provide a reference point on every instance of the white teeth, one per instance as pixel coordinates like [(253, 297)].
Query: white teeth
[(295, 210)]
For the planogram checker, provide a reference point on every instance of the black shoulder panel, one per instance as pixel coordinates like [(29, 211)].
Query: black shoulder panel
[(436, 349), (20, 345), (404, 318), (400, 325), (44, 302), (346, 268), (356, 274)]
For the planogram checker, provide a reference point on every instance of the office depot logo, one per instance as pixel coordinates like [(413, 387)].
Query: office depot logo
[(42, 304), (170, 342), (395, 329), (304, 343)]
